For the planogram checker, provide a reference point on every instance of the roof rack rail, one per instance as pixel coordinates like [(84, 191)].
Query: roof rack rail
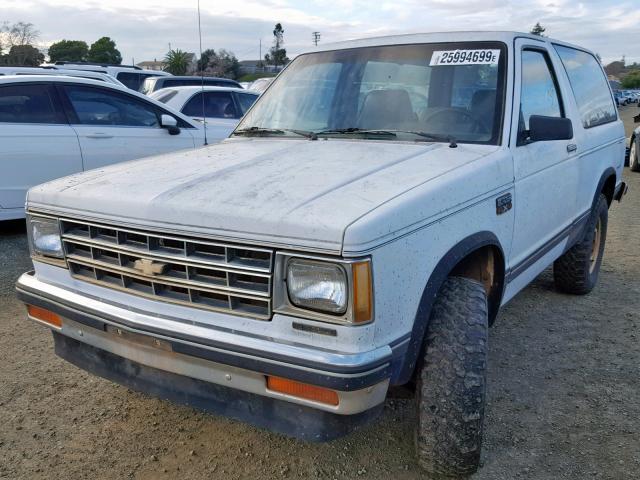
[(97, 64)]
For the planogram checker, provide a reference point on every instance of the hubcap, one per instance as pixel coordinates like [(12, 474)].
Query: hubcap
[(595, 249), (632, 154)]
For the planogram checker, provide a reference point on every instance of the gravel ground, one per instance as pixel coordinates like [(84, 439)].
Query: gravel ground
[(563, 399)]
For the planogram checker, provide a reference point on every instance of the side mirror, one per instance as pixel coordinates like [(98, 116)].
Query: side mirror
[(543, 128), (170, 123)]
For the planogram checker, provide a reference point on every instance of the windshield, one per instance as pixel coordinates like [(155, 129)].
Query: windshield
[(449, 91)]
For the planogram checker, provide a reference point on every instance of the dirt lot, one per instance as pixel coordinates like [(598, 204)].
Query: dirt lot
[(563, 399)]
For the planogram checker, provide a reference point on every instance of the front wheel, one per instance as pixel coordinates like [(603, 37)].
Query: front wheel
[(577, 270), (450, 392)]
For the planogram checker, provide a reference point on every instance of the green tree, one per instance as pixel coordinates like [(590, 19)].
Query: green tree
[(22, 56), (631, 80), (104, 51), (219, 64), (538, 30), (277, 55), (69, 51), (176, 62)]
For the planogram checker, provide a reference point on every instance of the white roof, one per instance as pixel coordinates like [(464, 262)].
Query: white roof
[(470, 36)]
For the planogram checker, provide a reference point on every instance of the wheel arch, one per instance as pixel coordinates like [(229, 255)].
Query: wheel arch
[(607, 186), (471, 257)]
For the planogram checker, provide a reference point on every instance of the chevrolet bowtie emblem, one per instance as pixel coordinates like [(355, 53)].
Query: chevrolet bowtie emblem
[(149, 267)]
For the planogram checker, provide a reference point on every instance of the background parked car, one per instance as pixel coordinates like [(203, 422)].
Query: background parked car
[(223, 107), (631, 98), (52, 126), (130, 75), (153, 84), (261, 84), (101, 77)]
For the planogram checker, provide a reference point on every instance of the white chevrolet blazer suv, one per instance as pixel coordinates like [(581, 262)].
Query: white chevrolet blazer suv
[(360, 229)]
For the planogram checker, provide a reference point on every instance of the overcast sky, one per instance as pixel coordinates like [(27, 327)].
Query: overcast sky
[(143, 29)]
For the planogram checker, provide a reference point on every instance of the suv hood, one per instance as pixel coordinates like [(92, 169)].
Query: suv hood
[(279, 192)]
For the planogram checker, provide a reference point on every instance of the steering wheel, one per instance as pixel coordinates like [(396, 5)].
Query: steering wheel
[(453, 116)]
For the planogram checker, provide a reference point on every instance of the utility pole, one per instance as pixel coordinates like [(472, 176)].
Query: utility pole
[(315, 37)]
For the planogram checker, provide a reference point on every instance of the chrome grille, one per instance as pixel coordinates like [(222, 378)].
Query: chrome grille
[(215, 276)]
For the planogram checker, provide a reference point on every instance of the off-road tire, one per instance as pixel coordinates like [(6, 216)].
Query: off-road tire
[(577, 270), (450, 394), (634, 154)]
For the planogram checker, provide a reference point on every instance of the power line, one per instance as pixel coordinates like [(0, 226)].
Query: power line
[(315, 36)]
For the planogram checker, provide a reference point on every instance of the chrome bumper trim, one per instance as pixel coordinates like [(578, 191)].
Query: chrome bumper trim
[(340, 371)]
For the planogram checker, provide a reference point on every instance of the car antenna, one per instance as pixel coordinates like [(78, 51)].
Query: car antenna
[(204, 118)]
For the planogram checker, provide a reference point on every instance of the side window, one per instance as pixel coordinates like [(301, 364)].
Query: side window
[(589, 85), (133, 80), (165, 97), (245, 100), (216, 105), (539, 94), (28, 104), (96, 106)]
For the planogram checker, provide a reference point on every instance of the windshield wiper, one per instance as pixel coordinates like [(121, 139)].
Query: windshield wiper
[(261, 131), (355, 131), (436, 137), (358, 131)]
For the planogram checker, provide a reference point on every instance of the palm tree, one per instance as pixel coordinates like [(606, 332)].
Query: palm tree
[(176, 62)]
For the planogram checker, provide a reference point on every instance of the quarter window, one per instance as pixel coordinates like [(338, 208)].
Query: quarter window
[(27, 104), (589, 86), (539, 94), (133, 80), (246, 100), (216, 105), (95, 106)]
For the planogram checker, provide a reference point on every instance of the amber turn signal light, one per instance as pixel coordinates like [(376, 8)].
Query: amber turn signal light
[(45, 316), (362, 301), (303, 390)]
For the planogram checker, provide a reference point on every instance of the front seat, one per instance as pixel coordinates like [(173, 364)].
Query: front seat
[(483, 104), (386, 110)]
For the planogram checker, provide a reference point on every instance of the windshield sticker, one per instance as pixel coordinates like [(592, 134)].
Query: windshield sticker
[(464, 57)]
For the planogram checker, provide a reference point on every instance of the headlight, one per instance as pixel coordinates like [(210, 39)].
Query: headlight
[(317, 286), (44, 237)]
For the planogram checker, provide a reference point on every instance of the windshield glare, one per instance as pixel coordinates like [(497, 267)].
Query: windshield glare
[(452, 90)]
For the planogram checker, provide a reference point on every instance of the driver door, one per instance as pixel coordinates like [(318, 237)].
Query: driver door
[(546, 172), (114, 127)]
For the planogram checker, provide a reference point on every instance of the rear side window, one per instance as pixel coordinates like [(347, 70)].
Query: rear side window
[(95, 106), (133, 80), (27, 104), (216, 105), (246, 100), (589, 85), (539, 94), (165, 97)]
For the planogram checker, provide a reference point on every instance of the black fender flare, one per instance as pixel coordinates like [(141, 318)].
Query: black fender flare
[(610, 171), (438, 276)]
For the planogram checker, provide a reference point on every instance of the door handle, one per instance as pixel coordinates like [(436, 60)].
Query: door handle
[(99, 135), (572, 147)]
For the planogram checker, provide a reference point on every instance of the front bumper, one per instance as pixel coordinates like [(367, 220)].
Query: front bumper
[(213, 373)]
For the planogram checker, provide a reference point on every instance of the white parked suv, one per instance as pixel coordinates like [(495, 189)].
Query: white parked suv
[(221, 107), (53, 126), (130, 75), (360, 229), (101, 77)]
